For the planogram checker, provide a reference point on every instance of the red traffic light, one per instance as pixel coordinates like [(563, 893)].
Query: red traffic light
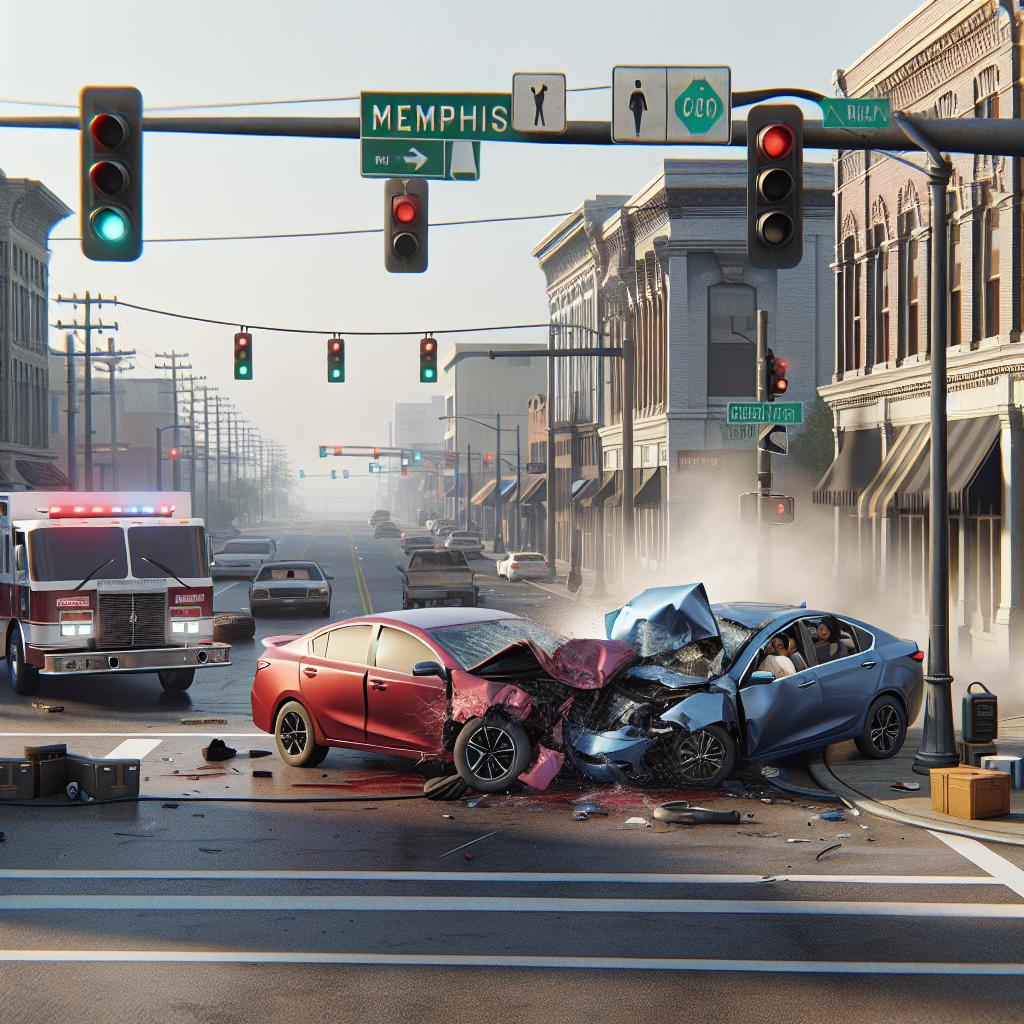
[(376, 454), (780, 508), (109, 131), (405, 209), (775, 141), (335, 344), (428, 345), (337, 449), (174, 453), (488, 457)]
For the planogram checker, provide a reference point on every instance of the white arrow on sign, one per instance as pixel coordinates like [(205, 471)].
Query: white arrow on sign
[(773, 438), (414, 158)]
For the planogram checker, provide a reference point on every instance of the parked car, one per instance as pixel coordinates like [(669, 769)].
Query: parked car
[(243, 556), (299, 586), (379, 515), (438, 578), (386, 528), (434, 684), (524, 565), (439, 524), (416, 542), (468, 542)]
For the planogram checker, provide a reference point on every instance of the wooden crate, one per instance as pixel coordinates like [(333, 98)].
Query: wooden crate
[(970, 793)]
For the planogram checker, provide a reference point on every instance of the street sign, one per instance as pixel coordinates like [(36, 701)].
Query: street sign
[(773, 439), (672, 104), (420, 158), (855, 113), (765, 412), (437, 115), (538, 103)]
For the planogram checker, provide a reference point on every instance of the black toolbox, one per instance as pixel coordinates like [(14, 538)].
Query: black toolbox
[(104, 778), (48, 762), (16, 778)]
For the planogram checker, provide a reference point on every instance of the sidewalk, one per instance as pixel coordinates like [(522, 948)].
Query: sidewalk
[(867, 785)]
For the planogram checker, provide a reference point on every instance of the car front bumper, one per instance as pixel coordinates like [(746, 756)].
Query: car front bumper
[(211, 655)]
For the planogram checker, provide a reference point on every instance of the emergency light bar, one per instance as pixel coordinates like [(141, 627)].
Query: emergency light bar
[(86, 511)]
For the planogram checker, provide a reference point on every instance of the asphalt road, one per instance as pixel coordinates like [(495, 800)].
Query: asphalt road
[(182, 910)]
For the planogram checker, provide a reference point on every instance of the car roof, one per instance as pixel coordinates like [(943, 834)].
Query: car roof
[(432, 618)]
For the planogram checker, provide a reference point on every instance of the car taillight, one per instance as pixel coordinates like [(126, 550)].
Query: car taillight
[(918, 656), (513, 565)]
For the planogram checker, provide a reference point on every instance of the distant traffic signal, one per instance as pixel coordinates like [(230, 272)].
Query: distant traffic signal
[(174, 453), (344, 474), (243, 356), (775, 186), (111, 172), (323, 451), (334, 474), (336, 360), (302, 474), (417, 456), (375, 467), (405, 225), (376, 454), (776, 509), (428, 360), (338, 450), (488, 458)]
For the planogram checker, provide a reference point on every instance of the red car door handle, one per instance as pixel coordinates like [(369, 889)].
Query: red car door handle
[(309, 672), (378, 685)]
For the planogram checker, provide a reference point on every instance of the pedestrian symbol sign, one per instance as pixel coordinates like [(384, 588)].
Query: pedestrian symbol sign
[(538, 103), (672, 104)]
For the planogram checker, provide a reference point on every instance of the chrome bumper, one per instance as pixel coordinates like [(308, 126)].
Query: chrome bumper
[(213, 655)]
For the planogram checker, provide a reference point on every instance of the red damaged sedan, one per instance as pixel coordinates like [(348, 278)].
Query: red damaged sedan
[(482, 688)]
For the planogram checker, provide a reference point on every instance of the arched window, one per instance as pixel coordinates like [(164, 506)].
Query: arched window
[(730, 355)]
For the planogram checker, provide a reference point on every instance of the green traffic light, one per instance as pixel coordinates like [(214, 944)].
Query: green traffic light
[(109, 224)]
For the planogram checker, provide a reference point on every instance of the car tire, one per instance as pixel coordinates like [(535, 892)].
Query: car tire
[(704, 758), (296, 738), (491, 753), (228, 626), (23, 676), (326, 611), (176, 680), (885, 729)]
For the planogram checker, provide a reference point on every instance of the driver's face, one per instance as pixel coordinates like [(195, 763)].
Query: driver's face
[(823, 632)]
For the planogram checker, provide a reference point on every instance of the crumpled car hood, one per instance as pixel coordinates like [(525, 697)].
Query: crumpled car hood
[(580, 664), (663, 620)]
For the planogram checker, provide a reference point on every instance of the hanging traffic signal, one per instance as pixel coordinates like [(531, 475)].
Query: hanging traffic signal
[(243, 356), (428, 361), (111, 172), (376, 454), (338, 450), (488, 458), (302, 474), (777, 382), (417, 456), (375, 467), (775, 186), (336, 360), (405, 225), (174, 453), (323, 451), (344, 474)]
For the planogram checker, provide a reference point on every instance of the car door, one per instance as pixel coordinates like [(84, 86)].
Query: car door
[(333, 680), (403, 710), (848, 683), (782, 715)]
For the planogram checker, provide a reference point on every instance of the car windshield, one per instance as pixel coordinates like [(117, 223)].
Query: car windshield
[(735, 636), (179, 550), (476, 641), (289, 572), (73, 552), (246, 547)]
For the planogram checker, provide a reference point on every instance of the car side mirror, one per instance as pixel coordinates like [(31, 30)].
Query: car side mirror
[(330, 577), (428, 668), (762, 677)]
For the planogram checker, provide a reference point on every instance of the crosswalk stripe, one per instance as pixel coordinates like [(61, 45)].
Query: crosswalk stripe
[(988, 860), (137, 748)]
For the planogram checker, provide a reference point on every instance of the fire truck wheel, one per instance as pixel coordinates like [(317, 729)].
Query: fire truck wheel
[(230, 626), (176, 680), (24, 677)]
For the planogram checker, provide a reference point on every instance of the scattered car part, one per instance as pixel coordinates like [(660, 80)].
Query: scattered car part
[(828, 849), (229, 626), (444, 787), (218, 750), (262, 773), (472, 842), (679, 812)]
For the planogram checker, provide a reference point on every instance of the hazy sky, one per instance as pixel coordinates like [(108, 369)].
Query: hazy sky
[(203, 51)]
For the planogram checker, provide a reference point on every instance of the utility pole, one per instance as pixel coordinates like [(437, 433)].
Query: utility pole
[(218, 401), (190, 380), (87, 327), (469, 486), (112, 360), (764, 461), (174, 367), (519, 491), (206, 451), (498, 547), (69, 355)]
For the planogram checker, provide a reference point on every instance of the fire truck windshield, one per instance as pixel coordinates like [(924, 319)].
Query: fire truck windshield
[(73, 552), (168, 550)]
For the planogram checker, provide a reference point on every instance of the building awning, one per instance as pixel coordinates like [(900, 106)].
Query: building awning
[(485, 496), (610, 493), (968, 443), (649, 491), (899, 464), (584, 488), (857, 462), (535, 490), (42, 476)]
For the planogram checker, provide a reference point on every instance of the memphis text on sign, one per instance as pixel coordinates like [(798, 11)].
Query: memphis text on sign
[(437, 116)]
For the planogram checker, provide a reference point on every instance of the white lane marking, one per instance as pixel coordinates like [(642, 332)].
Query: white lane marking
[(988, 860), (489, 877), (599, 963), (162, 735), (137, 748), (36, 902), (217, 593)]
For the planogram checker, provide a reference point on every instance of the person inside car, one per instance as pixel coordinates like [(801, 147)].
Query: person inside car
[(793, 653), (826, 646), (776, 660)]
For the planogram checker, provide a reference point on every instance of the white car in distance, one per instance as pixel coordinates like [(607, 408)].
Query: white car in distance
[(523, 565)]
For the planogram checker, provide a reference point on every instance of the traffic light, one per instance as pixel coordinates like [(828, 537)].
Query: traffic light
[(775, 186), (488, 458), (375, 467), (775, 369), (344, 474), (334, 474), (111, 172), (776, 509), (302, 474), (174, 453), (428, 361), (323, 451), (336, 360), (376, 455), (243, 356), (405, 225), (417, 456), (338, 449)]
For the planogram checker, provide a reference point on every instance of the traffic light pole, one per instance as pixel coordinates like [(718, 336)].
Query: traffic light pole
[(764, 463), (498, 546)]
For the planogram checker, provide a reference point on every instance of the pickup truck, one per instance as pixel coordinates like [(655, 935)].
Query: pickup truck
[(435, 578)]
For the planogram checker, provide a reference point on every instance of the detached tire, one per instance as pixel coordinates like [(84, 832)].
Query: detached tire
[(23, 676), (296, 740), (885, 729), (229, 626), (491, 753), (176, 680), (704, 758)]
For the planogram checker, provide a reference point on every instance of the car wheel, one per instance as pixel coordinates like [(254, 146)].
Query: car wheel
[(705, 757), (885, 729), (490, 753), (296, 740), (176, 680), (229, 626), (326, 610), (23, 676)]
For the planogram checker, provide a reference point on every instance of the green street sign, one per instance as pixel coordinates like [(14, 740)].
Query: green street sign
[(698, 106), (438, 115), (854, 113), (420, 158), (765, 412)]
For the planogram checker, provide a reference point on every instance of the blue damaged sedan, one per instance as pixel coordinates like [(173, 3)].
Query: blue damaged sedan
[(714, 685)]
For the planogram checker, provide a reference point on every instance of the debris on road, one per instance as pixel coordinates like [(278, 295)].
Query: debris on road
[(51, 708), (204, 721), (259, 753), (169, 807), (258, 774), (798, 840), (472, 842), (679, 812), (642, 822), (828, 849), (585, 809), (477, 801), (218, 750), (757, 835), (832, 816), (911, 787)]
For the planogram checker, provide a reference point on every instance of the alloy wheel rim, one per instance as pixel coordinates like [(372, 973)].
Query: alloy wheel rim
[(701, 756), (14, 659), (885, 728), (293, 733), (490, 752)]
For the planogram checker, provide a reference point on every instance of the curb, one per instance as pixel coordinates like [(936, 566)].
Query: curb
[(824, 776)]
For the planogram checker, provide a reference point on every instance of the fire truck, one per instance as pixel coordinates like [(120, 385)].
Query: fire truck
[(105, 582)]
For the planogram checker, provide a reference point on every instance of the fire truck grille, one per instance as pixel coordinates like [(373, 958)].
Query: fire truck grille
[(132, 620)]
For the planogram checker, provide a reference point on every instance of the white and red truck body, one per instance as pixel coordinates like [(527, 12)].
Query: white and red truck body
[(132, 615)]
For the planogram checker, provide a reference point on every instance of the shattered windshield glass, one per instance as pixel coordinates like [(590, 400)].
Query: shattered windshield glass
[(734, 638), (470, 644)]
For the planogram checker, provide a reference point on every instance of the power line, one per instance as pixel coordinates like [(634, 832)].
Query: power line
[(332, 234)]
